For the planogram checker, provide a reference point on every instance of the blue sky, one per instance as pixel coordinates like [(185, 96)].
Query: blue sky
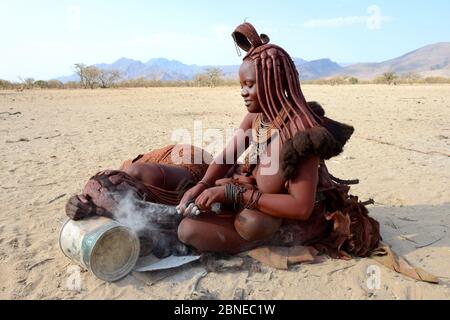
[(43, 39)]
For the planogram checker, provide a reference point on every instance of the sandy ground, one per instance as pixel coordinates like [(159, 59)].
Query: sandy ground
[(61, 138)]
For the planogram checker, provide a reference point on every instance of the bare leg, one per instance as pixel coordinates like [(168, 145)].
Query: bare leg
[(158, 175), (228, 233), (210, 233), (254, 225), (96, 201)]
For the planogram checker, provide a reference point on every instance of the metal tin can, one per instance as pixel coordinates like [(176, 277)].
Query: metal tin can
[(101, 245)]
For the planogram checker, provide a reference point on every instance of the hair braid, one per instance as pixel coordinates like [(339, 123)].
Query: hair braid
[(302, 131)]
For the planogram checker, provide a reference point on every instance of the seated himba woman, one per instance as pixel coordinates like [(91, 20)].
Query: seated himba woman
[(285, 197)]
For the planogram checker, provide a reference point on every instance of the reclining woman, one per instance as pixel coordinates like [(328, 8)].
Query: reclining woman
[(284, 197)]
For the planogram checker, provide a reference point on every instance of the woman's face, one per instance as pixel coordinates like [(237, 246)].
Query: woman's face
[(247, 76)]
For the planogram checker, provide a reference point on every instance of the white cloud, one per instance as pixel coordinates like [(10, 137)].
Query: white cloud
[(373, 20)]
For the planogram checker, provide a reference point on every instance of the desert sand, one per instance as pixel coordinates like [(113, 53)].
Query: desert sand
[(400, 152)]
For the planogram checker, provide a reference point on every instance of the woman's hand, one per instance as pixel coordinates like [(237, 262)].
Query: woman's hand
[(186, 204), (210, 196), (247, 182), (224, 181)]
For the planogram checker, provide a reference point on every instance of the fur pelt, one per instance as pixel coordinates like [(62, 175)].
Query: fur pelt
[(325, 141)]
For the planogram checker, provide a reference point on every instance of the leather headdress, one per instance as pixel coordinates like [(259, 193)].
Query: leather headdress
[(246, 37), (303, 131)]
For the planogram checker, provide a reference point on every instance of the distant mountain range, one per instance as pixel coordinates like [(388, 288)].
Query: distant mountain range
[(432, 60)]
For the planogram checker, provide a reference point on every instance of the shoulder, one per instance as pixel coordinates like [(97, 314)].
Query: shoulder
[(304, 182), (248, 121), (307, 169)]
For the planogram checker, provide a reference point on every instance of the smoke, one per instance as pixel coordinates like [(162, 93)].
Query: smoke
[(139, 215), (155, 224)]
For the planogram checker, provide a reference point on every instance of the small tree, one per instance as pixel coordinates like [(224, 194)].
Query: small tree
[(201, 80), (412, 78), (80, 70), (389, 77), (41, 84), (55, 84), (107, 78), (89, 75), (214, 76), (337, 81), (5, 84), (73, 85), (27, 83), (92, 75), (353, 80)]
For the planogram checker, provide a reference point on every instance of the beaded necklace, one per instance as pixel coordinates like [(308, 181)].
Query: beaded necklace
[(263, 132)]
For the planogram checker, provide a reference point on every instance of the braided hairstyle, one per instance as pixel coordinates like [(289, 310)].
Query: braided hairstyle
[(303, 132)]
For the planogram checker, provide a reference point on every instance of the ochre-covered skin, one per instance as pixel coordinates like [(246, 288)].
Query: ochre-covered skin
[(163, 157), (301, 203)]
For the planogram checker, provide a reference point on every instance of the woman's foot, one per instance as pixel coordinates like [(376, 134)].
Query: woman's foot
[(80, 207)]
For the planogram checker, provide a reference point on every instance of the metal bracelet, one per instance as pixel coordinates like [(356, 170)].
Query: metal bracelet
[(249, 204), (206, 184), (254, 203), (234, 195)]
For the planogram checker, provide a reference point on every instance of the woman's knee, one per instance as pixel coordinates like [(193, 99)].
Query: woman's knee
[(147, 173), (186, 231), (256, 226)]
